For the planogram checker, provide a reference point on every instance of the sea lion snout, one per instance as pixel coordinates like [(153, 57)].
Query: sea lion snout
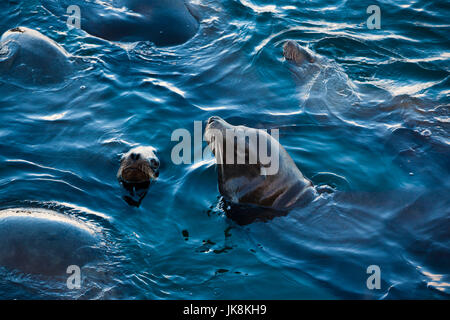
[(288, 49), (213, 120), (292, 51), (215, 129), (135, 156), (217, 123)]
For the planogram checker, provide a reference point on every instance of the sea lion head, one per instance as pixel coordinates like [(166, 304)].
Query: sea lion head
[(293, 52), (245, 169), (138, 168), (215, 133), (253, 168), (139, 165), (245, 155)]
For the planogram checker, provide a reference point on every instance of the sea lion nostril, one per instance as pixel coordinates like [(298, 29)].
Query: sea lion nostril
[(135, 156), (213, 118)]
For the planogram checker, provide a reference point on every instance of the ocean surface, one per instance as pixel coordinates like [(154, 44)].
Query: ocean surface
[(370, 125)]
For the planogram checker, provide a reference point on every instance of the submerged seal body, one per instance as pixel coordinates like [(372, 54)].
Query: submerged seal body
[(324, 87), (274, 183), (39, 241), (138, 168), (163, 22), (33, 57)]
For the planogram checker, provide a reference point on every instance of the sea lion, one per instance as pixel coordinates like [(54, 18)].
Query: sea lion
[(33, 57), (163, 22), (138, 168), (255, 182), (293, 52), (323, 86), (44, 242)]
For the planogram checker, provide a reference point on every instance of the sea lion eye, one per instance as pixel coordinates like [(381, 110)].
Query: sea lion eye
[(154, 163)]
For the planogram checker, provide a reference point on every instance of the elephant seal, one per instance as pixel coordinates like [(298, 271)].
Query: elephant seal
[(292, 51), (28, 54), (44, 242), (163, 22), (255, 182), (138, 168)]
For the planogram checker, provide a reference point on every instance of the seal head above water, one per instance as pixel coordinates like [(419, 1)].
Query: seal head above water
[(138, 168), (163, 22), (274, 183), (293, 52)]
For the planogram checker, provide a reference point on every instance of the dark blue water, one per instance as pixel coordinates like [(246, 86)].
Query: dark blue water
[(372, 123)]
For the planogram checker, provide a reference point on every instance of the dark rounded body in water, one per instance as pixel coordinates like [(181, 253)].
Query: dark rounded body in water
[(163, 22), (44, 242), (30, 56)]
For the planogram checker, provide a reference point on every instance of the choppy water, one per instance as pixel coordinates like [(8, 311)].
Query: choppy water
[(372, 122)]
